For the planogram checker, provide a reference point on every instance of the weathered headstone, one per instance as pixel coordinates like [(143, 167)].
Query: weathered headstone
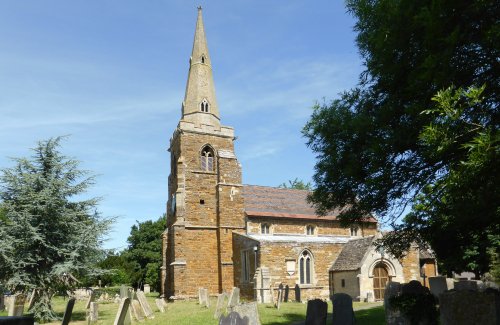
[(470, 307), (16, 306), (287, 292), (147, 288), (233, 319), (281, 288), (342, 309), (200, 293), (466, 285), (118, 299), (392, 315), (123, 291), (234, 298), (68, 311), (90, 299), (17, 320), (250, 311), (437, 285), (137, 310), (221, 304), (316, 312), (297, 293), (280, 297), (148, 312), (161, 306), (93, 313), (369, 297), (414, 287), (123, 315), (2, 302), (203, 297)]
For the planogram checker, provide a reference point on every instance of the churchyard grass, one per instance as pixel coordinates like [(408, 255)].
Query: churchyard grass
[(189, 312)]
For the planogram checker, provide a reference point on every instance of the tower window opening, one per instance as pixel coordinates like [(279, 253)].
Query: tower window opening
[(202, 59), (204, 106), (207, 159)]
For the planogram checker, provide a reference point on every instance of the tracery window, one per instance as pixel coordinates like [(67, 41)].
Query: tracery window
[(204, 106), (207, 159), (305, 267)]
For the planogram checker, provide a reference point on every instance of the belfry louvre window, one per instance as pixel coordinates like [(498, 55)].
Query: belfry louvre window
[(207, 159), (305, 267), (204, 106)]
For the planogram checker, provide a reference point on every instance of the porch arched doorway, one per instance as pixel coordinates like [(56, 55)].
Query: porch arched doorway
[(380, 279)]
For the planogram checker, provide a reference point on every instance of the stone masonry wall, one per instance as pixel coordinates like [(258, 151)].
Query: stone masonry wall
[(411, 265)]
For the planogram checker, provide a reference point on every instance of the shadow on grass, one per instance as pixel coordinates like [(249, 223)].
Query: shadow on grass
[(287, 318), (372, 316)]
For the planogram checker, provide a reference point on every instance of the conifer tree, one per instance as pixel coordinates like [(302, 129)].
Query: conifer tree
[(49, 235)]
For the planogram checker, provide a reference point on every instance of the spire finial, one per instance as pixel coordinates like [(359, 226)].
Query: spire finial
[(199, 7)]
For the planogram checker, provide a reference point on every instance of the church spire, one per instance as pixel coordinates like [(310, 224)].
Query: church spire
[(200, 103)]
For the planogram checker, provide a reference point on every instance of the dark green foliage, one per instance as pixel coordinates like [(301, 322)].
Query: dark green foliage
[(48, 238), (144, 252), (120, 270), (419, 308), (297, 184), (379, 153)]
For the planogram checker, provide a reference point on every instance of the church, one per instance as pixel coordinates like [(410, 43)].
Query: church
[(222, 234)]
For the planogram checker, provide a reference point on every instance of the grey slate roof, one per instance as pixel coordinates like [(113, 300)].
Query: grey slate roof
[(352, 254)]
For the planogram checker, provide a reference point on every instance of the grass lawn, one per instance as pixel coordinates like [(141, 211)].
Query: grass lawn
[(189, 312)]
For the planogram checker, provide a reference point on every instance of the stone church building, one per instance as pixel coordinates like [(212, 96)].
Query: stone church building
[(222, 234)]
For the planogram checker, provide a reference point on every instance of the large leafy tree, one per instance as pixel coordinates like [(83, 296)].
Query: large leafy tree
[(144, 252), (375, 145), (49, 235), (297, 184)]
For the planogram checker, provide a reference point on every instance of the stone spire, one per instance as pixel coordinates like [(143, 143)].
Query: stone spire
[(200, 104)]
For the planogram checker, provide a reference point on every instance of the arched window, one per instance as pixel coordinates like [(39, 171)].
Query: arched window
[(310, 229), (204, 105), (207, 159), (305, 267), (264, 228)]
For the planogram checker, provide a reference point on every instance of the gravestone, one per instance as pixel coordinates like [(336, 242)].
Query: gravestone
[(148, 312), (250, 311), (118, 299), (123, 291), (160, 305), (147, 288), (414, 287), (234, 298), (233, 319), (200, 298), (470, 307), (68, 311), (466, 285), (437, 285), (297, 293), (316, 312), (221, 303), (281, 288), (2, 302), (16, 306), (203, 297), (369, 297), (392, 315), (280, 297), (93, 313), (137, 310), (342, 309), (17, 320), (90, 299), (123, 315), (287, 291), (273, 300), (450, 283), (32, 299)]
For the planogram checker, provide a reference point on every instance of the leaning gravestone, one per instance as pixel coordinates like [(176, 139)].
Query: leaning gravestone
[(297, 293), (93, 311), (68, 311), (123, 315), (159, 303), (342, 309), (233, 319), (148, 312), (90, 300), (137, 310), (316, 312), (16, 306), (17, 320), (221, 303), (280, 298), (123, 291), (287, 291), (234, 298), (250, 311)]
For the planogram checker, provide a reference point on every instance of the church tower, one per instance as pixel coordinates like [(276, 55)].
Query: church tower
[(205, 203)]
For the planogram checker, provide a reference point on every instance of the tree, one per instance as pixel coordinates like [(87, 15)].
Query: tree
[(144, 252), (297, 184), (49, 235), (374, 146)]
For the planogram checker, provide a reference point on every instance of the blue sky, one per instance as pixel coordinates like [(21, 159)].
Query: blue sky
[(112, 75)]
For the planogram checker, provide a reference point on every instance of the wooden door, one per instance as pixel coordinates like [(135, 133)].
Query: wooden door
[(380, 279)]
